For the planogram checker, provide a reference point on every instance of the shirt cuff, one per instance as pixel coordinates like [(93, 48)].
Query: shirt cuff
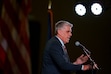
[(82, 67)]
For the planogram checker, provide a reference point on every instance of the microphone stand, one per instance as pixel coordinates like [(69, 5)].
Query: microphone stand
[(87, 52)]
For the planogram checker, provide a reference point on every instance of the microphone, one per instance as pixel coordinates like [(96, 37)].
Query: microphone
[(77, 43)]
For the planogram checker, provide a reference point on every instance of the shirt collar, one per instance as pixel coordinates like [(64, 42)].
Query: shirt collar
[(60, 41)]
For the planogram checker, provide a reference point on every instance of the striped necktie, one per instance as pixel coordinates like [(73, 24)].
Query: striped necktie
[(66, 54), (65, 49)]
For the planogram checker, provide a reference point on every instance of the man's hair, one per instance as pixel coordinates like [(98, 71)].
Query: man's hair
[(60, 24)]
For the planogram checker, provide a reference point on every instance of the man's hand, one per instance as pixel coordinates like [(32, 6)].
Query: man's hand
[(82, 59)]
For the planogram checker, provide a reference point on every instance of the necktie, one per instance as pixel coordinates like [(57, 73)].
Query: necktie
[(65, 49), (65, 54)]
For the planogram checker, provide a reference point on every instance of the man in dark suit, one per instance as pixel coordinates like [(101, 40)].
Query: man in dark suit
[(55, 58)]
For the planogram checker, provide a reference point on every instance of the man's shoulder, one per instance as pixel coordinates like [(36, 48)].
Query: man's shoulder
[(54, 41)]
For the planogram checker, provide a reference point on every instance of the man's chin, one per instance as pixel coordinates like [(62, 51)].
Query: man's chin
[(67, 41)]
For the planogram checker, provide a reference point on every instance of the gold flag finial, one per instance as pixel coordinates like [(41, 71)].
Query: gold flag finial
[(50, 3)]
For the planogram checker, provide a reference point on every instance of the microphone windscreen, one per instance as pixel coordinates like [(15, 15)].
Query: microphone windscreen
[(77, 43)]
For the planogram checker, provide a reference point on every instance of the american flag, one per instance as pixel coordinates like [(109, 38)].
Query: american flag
[(14, 37)]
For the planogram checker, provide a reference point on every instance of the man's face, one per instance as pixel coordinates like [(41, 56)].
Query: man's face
[(65, 33)]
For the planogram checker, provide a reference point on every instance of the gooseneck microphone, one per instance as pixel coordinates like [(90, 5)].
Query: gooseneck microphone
[(87, 52), (77, 43)]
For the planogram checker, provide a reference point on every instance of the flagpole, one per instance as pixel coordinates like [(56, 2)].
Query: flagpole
[(50, 13)]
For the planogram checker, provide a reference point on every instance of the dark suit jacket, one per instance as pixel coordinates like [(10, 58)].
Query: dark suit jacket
[(54, 59)]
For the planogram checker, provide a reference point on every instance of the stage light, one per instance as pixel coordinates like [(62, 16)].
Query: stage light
[(80, 9), (96, 8)]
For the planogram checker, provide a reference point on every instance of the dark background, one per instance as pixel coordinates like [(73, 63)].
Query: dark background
[(94, 32)]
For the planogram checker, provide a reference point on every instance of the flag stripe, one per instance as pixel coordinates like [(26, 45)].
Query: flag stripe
[(12, 14), (15, 34), (2, 56), (17, 40), (7, 67), (26, 8), (23, 31), (16, 55), (3, 47), (17, 23), (13, 64)]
